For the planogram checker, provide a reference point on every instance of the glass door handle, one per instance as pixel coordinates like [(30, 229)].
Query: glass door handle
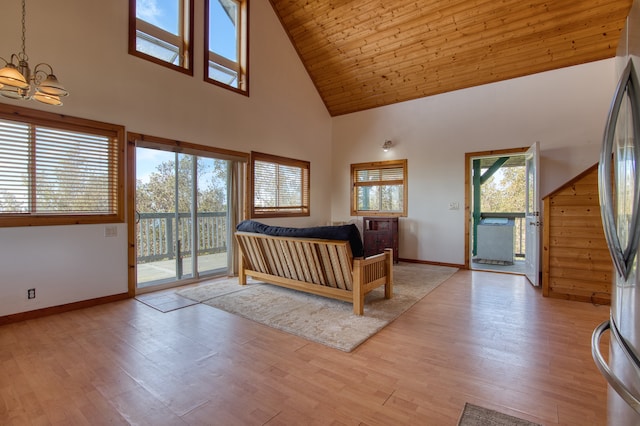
[(602, 365), (622, 256)]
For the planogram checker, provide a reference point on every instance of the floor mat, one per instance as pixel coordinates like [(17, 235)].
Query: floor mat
[(474, 415), (165, 302)]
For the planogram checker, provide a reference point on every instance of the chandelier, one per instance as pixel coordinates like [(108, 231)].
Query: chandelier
[(19, 81)]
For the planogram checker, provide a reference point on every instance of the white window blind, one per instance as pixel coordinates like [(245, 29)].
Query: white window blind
[(45, 170), (280, 187), (388, 176)]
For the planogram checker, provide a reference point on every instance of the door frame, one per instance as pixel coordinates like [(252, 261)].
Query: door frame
[(239, 212), (533, 219), (468, 195)]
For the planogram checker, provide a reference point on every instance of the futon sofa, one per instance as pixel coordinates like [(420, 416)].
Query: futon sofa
[(323, 260)]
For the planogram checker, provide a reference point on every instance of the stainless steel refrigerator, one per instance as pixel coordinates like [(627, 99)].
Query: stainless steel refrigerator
[(619, 187)]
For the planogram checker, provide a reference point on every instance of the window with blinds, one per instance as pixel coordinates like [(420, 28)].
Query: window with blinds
[(379, 188), (57, 170), (279, 187)]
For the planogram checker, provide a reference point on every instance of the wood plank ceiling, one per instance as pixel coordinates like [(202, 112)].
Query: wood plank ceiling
[(363, 54)]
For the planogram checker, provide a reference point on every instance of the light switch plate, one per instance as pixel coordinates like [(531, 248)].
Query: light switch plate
[(111, 231)]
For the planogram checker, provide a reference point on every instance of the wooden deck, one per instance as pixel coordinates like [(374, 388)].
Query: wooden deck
[(484, 338), (158, 271)]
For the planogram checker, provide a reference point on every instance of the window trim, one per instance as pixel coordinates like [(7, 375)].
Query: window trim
[(376, 165), (171, 145), (63, 122), (284, 161), (186, 40), (242, 66)]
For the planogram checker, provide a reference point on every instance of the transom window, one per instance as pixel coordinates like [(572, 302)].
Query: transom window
[(226, 35), (59, 170), (379, 188), (161, 31), (279, 186)]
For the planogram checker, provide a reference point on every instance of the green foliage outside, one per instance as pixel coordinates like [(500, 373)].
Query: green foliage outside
[(157, 195), (158, 237), (384, 198), (504, 192)]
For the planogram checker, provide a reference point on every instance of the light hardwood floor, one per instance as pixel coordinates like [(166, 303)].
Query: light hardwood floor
[(489, 339)]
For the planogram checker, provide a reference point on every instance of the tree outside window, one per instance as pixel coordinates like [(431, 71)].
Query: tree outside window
[(379, 188)]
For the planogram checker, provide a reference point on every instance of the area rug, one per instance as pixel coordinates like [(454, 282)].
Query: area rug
[(320, 319), (473, 415)]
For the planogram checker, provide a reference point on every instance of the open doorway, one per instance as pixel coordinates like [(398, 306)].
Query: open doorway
[(496, 206)]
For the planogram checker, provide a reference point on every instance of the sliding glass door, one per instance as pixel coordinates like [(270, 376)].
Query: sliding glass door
[(182, 217), (212, 215)]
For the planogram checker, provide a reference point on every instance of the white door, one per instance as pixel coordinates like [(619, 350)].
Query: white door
[(532, 215)]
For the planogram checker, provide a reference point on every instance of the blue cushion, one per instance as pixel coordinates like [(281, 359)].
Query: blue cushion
[(340, 232)]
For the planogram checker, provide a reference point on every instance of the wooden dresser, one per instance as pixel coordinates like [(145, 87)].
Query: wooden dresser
[(379, 233)]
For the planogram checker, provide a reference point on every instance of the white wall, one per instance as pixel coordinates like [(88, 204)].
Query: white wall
[(86, 43), (564, 110)]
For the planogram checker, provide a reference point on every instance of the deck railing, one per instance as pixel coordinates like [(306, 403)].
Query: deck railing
[(159, 238)]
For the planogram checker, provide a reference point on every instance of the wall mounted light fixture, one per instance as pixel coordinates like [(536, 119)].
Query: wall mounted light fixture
[(386, 146), (17, 78)]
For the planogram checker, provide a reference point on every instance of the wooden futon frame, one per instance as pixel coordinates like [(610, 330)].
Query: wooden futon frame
[(323, 267)]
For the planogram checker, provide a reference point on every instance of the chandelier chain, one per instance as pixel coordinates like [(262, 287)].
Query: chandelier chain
[(24, 29)]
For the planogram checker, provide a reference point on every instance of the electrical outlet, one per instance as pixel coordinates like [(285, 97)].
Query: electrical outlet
[(31, 293)]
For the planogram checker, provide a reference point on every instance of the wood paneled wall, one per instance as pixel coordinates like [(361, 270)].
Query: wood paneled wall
[(576, 262)]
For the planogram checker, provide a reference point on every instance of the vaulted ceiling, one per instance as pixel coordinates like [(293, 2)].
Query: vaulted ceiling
[(363, 54)]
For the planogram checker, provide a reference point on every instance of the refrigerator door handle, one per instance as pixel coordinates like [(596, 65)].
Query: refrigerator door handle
[(608, 374), (622, 257)]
